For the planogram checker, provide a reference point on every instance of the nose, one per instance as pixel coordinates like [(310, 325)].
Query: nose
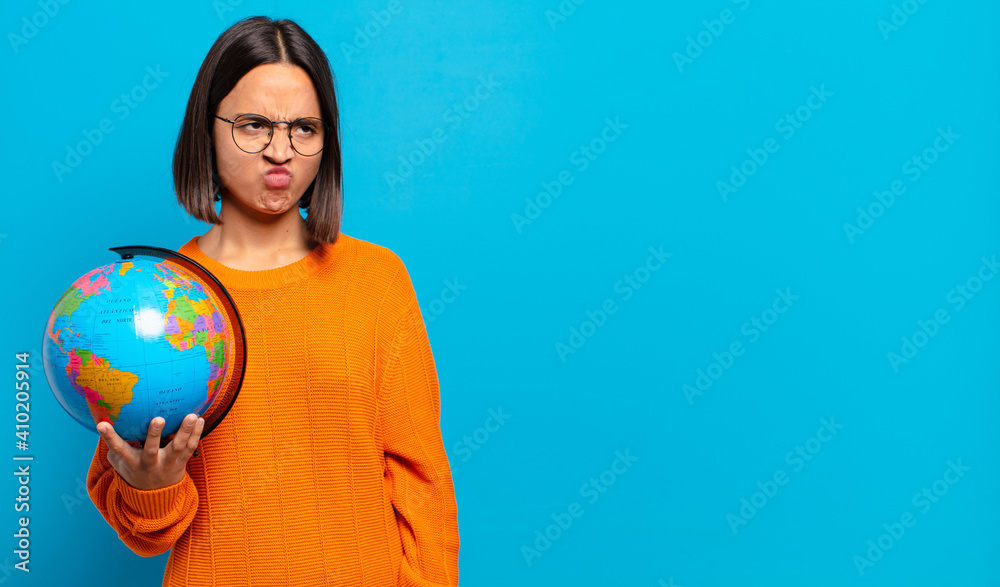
[(280, 148)]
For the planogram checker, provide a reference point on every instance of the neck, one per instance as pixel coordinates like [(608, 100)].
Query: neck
[(256, 243)]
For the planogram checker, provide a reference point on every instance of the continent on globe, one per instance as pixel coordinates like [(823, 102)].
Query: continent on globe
[(196, 322), (81, 291), (88, 372)]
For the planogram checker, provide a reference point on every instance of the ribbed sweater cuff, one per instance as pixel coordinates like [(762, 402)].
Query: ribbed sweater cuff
[(152, 504)]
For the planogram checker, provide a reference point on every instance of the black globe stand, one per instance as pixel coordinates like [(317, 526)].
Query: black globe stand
[(226, 397)]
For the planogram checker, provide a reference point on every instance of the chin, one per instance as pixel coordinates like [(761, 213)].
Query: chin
[(285, 203)]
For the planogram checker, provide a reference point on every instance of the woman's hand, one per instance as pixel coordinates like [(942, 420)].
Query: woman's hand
[(152, 467)]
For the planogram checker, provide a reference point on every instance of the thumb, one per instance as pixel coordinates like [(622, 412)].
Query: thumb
[(111, 439)]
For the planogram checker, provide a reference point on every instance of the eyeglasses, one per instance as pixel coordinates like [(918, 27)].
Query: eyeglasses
[(252, 133)]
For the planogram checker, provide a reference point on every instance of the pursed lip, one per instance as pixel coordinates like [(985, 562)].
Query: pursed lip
[(278, 171)]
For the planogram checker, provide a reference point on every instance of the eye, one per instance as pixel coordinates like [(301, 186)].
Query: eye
[(252, 124), (306, 128)]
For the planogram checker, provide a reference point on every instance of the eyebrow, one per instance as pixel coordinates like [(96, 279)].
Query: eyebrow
[(238, 114)]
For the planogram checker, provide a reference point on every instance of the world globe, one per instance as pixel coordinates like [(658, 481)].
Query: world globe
[(145, 336)]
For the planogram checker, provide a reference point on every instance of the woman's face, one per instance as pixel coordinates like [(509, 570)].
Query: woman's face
[(278, 91)]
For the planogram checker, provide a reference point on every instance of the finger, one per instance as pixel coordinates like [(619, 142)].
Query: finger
[(180, 441), (118, 449), (195, 438), (151, 448)]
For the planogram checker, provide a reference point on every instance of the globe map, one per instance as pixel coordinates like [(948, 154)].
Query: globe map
[(133, 340)]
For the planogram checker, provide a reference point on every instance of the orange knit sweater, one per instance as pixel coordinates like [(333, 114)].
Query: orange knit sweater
[(330, 468)]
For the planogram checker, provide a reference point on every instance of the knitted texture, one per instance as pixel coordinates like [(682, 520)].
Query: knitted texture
[(330, 468)]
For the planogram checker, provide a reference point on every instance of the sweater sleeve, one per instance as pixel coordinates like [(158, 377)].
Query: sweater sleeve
[(417, 468), (149, 522)]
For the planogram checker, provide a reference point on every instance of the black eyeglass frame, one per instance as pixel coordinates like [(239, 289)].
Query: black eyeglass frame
[(270, 134)]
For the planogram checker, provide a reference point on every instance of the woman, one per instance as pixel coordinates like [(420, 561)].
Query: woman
[(330, 468)]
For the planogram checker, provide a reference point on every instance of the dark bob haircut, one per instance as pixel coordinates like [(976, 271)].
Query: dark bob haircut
[(248, 43)]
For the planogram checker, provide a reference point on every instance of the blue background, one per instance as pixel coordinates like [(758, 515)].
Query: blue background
[(687, 113)]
